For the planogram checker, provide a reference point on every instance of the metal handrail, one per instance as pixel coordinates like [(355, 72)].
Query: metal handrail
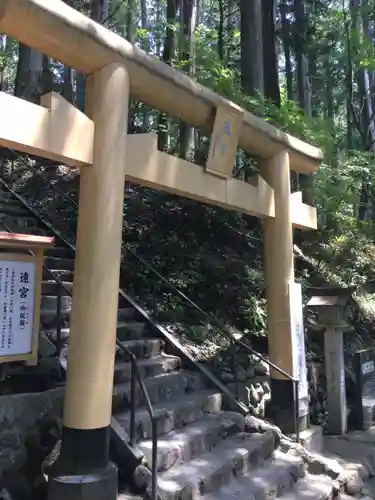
[(219, 324), (35, 170), (213, 319), (134, 376)]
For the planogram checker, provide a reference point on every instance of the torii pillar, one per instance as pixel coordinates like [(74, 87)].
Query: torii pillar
[(83, 470), (279, 275)]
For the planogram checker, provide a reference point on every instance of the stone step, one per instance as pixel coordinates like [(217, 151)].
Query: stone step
[(48, 318), (134, 330), (172, 415), (60, 252), (13, 209), (128, 496), (127, 330), (59, 263), (51, 334), (51, 287), (130, 330), (147, 367), (6, 196), (271, 479), (165, 387), (35, 231), (195, 439), (234, 457), (311, 488), (126, 314), (144, 348), (22, 221), (49, 312), (49, 303), (63, 274), (10, 199)]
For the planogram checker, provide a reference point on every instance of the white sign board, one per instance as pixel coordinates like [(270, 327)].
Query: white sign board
[(17, 288), (368, 367), (298, 346)]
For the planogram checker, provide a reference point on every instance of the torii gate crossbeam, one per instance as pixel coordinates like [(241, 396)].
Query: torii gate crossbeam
[(56, 29)]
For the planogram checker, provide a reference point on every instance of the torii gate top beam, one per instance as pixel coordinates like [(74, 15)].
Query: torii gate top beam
[(61, 32)]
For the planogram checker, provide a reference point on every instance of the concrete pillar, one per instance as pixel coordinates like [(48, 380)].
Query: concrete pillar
[(83, 470), (279, 273), (335, 375)]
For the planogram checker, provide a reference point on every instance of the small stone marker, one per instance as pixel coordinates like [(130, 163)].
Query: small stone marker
[(335, 374), (332, 307)]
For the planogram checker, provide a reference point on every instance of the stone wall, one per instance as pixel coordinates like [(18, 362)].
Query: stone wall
[(253, 384), (29, 427)]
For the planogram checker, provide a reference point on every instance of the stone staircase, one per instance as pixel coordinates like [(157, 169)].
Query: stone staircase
[(204, 450)]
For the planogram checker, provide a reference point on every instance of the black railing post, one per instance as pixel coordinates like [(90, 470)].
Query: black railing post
[(58, 324), (132, 399), (154, 456), (136, 377), (154, 298), (235, 369), (296, 408)]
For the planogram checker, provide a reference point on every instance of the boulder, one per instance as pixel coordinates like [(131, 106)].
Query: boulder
[(261, 368), (20, 417), (352, 481), (360, 468), (253, 424), (46, 348)]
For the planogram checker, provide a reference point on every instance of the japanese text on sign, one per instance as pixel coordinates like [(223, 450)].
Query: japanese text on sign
[(224, 140), (17, 284)]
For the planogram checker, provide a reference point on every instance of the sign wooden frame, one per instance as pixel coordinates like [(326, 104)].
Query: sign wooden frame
[(224, 141), (37, 260), (15, 245)]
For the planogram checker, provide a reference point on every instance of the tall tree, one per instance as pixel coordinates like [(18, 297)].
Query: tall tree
[(68, 84), (287, 44), (99, 12), (271, 73), (366, 122), (188, 14), (29, 81), (300, 38), (169, 52), (252, 47)]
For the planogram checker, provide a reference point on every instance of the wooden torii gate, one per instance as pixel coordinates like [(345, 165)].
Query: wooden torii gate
[(97, 141)]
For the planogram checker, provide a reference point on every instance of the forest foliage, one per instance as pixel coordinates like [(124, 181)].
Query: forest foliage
[(308, 67)]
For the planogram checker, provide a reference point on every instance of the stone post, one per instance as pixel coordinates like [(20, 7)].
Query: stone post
[(335, 376), (331, 307)]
